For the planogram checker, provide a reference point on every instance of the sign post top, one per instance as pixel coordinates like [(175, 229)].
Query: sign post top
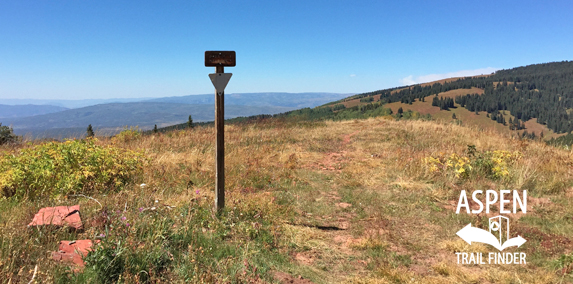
[(220, 58)]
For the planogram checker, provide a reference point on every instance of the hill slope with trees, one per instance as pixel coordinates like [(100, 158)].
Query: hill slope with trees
[(532, 100), (12, 111), (542, 91)]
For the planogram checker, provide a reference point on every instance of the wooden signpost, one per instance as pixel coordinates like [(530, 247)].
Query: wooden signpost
[(220, 59)]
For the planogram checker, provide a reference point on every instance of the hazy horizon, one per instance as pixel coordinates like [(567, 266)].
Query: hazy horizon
[(105, 49), (6, 101)]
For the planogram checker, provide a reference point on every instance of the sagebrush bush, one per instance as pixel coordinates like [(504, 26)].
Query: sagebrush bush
[(60, 168), (490, 164), (127, 135)]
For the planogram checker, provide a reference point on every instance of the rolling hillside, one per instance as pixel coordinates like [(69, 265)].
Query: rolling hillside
[(79, 103), (109, 118), (142, 114), (538, 96), (532, 101), (292, 100), (9, 111)]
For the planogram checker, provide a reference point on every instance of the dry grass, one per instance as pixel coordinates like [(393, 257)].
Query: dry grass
[(394, 225)]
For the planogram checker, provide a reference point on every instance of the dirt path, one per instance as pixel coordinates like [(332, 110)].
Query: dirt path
[(346, 138), (342, 258), (332, 161)]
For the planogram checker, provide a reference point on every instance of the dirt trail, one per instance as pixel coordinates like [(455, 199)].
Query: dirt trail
[(332, 161), (335, 228), (342, 257), (346, 138)]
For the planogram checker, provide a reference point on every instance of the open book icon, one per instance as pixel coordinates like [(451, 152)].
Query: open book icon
[(472, 234)]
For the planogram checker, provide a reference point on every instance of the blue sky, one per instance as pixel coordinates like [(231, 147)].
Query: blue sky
[(122, 49)]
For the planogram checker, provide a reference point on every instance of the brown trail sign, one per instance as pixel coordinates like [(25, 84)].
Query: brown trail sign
[(220, 59)]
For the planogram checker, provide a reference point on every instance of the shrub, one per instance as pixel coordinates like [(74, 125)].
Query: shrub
[(107, 261), (127, 134), (495, 164), (338, 107), (59, 168), (460, 166), (367, 100), (490, 164), (7, 135)]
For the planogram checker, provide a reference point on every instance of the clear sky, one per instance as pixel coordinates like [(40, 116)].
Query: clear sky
[(122, 49)]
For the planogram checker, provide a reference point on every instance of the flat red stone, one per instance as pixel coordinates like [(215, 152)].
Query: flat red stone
[(73, 251), (58, 216), (79, 246), (68, 257)]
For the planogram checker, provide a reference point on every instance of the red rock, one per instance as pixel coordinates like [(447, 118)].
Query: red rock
[(73, 251), (68, 257), (58, 216), (78, 246)]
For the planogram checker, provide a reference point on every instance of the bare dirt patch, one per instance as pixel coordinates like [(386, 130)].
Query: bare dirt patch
[(285, 278), (346, 138), (343, 205), (550, 243), (426, 106), (569, 192), (533, 126), (460, 92), (333, 161), (305, 258)]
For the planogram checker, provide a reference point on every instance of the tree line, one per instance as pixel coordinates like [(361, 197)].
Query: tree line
[(543, 91)]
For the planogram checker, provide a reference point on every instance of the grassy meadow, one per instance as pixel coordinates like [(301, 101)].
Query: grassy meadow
[(357, 201)]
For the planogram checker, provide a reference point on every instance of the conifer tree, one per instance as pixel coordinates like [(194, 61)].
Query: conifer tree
[(435, 101), (90, 132), (155, 129), (190, 122), (7, 134)]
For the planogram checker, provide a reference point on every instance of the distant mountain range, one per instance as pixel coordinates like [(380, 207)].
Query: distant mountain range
[(69, 103), (144, 114), (109, 118), (247, 99), (293, 100), (7, 111)]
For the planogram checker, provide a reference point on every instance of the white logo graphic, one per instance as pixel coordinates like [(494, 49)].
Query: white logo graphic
[(498, 235)]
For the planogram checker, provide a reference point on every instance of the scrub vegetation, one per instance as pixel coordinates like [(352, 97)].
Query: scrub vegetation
[(349, 201)]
